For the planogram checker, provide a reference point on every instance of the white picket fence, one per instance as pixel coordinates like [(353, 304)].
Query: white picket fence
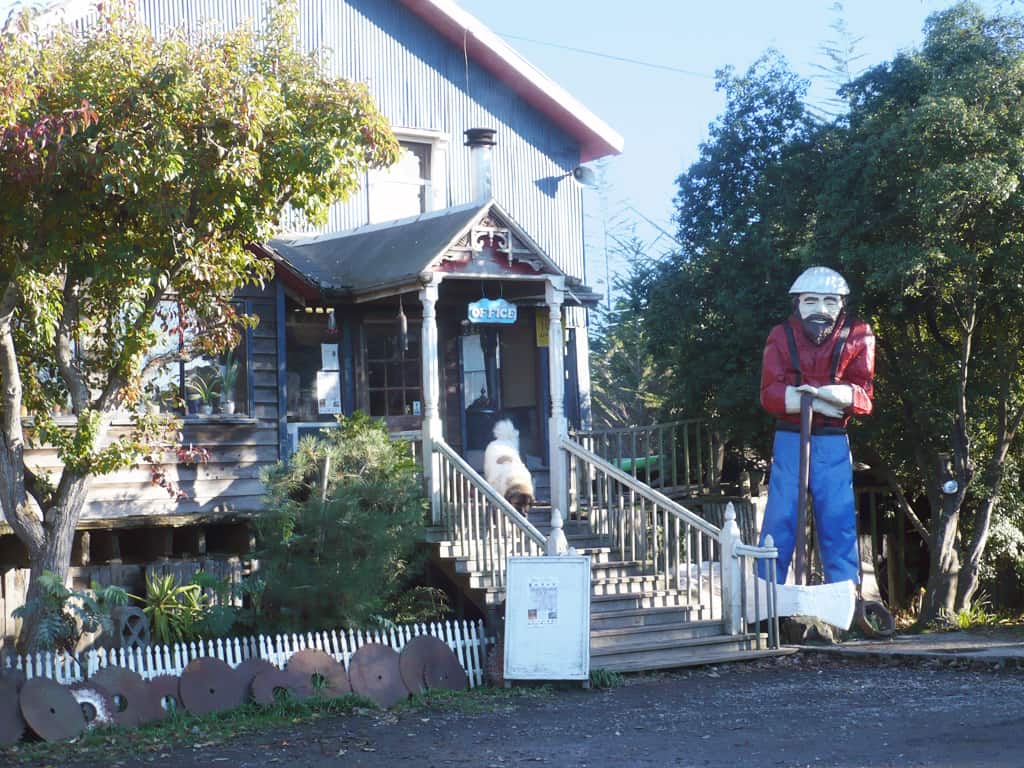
[(466, 639)]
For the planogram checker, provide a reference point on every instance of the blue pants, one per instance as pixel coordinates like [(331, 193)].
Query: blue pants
[(831, 485)]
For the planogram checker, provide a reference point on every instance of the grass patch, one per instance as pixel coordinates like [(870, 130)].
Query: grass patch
[(180, 728), (604, 678)]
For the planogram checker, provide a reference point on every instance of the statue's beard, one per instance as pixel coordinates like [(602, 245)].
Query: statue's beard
[(818, 327)]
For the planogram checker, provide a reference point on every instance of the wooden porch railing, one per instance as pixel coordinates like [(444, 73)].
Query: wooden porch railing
[(480, 522), (676, 457), (710, 566)]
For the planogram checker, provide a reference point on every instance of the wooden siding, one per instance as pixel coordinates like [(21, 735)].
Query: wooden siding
[(240, 447), (420, 81)]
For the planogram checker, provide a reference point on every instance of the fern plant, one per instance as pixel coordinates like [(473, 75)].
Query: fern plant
[(64, 615)]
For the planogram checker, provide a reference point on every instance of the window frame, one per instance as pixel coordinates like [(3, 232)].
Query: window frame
[(434, 193)]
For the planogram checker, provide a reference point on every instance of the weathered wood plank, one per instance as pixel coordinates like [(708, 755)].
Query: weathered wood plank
[(202, 491), (121, 513)]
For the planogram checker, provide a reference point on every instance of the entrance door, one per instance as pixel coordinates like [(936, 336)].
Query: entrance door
[(501, 378)]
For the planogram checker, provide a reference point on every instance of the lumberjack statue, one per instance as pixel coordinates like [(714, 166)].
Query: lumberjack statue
[(823, 355)]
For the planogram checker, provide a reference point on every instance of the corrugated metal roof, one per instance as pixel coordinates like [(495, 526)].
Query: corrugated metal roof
[(597, 138), (380, 255)]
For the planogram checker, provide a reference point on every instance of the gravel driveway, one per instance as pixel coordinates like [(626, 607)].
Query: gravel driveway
[(804, 710)]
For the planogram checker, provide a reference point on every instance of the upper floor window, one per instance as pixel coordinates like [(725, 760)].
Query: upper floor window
[(414, 184)]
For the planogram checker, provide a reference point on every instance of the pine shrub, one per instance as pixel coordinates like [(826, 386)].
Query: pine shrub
[(343, 519)]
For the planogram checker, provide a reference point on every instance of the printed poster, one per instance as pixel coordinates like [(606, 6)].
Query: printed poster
[(328, 392), (329, 357), (542, 602)]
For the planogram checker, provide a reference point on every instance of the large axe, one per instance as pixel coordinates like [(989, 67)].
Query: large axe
[(834, 603)]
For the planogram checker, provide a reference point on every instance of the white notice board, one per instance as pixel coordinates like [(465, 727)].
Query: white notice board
[(547, 618)]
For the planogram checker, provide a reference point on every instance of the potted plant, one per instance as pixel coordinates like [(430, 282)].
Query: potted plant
[(228, 379), (205, 389)]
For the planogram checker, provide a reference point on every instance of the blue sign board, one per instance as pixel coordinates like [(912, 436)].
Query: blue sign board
[(496, 311)]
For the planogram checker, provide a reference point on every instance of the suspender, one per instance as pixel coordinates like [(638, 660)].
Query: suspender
[(794, 356), (837, 351)]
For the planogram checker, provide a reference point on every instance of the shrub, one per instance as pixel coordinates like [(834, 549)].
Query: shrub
[(343, 518), (64, 615)]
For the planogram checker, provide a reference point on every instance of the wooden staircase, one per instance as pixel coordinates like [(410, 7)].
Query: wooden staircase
[(636, 625)]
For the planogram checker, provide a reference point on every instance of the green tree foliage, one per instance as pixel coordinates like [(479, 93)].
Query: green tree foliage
[(132, 167), (915, 196), (343, 518), (740, 229), (923, 210), (628, 384)]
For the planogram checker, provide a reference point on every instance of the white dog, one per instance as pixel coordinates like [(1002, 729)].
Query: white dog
[(505, 471)]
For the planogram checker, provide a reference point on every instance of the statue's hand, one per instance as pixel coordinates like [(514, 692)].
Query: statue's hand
[(837, 394), (807, 389), (827, 409)]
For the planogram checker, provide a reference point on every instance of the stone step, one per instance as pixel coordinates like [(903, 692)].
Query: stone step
[(659, 654), (684, 657)]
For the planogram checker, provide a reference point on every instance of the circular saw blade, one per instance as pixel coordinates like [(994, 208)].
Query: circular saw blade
[(163, 690), (12, 724), (133, 703), (426, 655), (326, 676), (96, 704), (248, 670), (445, 673), (265, 683), (210, 685), (50, 710), (374, 673)]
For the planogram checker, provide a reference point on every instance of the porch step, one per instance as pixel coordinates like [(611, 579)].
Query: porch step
[(642, 653), (625, 602), (627, 638), (684, 657), (601, 618)]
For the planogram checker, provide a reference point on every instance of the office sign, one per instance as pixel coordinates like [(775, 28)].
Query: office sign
[(493, 311)]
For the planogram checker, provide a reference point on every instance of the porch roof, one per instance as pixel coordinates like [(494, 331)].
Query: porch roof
[(391, 257)]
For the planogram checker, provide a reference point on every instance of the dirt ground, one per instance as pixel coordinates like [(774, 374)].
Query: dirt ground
[(804, 710)]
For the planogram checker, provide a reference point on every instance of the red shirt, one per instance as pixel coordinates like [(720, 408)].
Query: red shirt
[(856, 368)]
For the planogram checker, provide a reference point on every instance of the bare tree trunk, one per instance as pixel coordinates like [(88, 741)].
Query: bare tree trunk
[(943, 560), (53, 554), (970, 572)]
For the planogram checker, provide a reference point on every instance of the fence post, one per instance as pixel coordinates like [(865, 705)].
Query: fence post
[(731, 589)]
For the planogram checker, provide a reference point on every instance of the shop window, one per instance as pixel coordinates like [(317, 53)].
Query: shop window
[(393, 375), (315, 377), (202, 385)]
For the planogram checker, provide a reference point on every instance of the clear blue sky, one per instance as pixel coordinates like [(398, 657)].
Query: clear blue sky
[(664, 115)]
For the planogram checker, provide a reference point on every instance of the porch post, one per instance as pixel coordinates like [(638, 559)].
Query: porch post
[(432, 429), (557, 427)]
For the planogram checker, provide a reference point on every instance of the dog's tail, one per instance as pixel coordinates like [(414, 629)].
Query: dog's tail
[(505, 430)]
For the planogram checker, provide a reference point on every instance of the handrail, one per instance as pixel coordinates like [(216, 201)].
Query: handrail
[(641, 489), (492, 495), (676, 456)]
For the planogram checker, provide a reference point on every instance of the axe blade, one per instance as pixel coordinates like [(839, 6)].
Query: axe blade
[(832, 603)]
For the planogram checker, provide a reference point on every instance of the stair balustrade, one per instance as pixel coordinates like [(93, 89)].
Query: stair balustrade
[(679, 550), (479, 522), (676, 457)]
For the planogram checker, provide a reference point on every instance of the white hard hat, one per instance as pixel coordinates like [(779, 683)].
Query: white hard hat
[(820, 280)]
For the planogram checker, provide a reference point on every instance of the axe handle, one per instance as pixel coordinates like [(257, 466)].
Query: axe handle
[(804, 477)]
